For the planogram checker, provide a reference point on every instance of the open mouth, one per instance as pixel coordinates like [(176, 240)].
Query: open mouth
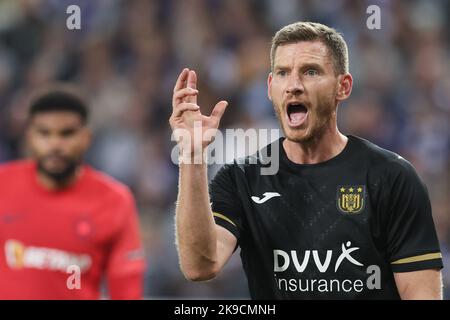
[(296, 113)]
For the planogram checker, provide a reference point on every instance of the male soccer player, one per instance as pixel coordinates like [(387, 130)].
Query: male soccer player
[(63, 225), (341, 218)]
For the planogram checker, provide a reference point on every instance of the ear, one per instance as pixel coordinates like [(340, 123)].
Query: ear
[(269, 86), (345, 84), (87, 137)]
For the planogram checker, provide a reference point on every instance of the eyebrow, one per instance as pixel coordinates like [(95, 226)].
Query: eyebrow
[(44, 128), (312, 65), (303, 66)]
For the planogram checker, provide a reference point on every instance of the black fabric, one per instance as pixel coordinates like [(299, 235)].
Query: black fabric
[(366, 203)]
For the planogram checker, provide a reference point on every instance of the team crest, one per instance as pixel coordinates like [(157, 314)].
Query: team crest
[(84, 227), (350, 199)]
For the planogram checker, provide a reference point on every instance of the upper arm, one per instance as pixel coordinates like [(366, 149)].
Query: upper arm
[(412, 243), (226, 203), (126, 264), (228, 213), (419, 285)]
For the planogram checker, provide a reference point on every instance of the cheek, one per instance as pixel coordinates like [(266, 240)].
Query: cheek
[(325, 97), (276, 86), (276, 94), (75, 147), (38, 145)]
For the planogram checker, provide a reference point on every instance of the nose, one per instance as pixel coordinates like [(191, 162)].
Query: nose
[(295, 85), (56, 143)]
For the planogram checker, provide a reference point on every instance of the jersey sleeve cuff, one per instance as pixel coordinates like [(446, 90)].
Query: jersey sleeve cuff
[(418, 262), (224, 221)]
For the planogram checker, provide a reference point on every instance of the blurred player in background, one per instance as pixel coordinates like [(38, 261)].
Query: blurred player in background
[(63, 225), (338, 208)]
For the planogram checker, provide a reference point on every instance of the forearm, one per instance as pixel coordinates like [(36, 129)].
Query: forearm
[(196, 231)]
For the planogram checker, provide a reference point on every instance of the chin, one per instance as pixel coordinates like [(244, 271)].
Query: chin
[(55, 170), (298, 135), (58, 173), (299, 138)]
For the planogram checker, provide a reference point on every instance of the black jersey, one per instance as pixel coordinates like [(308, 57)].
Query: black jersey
[(333, 230)]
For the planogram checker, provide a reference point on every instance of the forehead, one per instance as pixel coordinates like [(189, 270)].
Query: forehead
[(57, 119), (302, 52)]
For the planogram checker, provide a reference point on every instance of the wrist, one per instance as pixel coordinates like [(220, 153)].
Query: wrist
[(197, 156)]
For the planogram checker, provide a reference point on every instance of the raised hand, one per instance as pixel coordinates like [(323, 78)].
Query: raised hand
[(192, 130)]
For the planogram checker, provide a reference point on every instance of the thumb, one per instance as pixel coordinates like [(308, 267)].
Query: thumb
[(219, 109)]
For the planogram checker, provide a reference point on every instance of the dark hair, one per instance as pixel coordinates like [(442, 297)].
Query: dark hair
[(59, 98)]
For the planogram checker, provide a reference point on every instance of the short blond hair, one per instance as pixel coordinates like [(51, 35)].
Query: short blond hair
[(310, 31)]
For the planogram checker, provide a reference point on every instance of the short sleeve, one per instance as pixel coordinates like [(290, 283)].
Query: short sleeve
[(412, 242), (225, 202), (126, 264)]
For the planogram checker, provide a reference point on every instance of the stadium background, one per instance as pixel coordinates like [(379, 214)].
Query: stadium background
[(127, 56)]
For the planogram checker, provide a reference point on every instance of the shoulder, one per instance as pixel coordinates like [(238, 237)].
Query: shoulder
[(385, 162), (108, 186), (253, 162), (114, 198), (15, 168)]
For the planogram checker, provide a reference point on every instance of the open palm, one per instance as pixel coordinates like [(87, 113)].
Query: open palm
[(193, 130)]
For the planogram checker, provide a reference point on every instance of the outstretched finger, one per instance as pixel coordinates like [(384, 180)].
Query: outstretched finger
[(191, 82), (219, 110), (179, 95), (181, 81)]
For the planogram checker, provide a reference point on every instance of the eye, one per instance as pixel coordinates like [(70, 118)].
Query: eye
[(312, 72), (281, 73), (68, 133), (43, 132)]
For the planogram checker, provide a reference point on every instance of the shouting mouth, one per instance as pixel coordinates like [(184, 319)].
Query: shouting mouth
[(296, 114)]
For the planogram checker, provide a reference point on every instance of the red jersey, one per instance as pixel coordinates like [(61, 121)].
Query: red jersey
[(60, 244)]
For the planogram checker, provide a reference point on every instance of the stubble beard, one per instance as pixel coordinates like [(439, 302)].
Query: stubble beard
[(319, 121)]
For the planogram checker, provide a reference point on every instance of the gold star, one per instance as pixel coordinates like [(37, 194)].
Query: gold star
[(351, 189), (342, 189), (359, 189)]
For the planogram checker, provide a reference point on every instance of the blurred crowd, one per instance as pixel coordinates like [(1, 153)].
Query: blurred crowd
[(126, 58)]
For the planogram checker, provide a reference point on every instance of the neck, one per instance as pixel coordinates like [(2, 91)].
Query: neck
[(52, 184), (319, 149)]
